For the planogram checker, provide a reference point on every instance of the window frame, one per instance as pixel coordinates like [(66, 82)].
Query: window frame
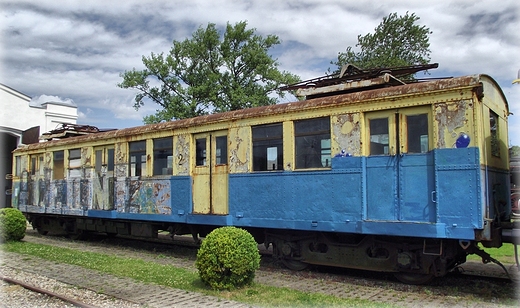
[(403, 129), (106, 159), (58, 170), (261, 146), (159, 163), (74, 162), (139, 164), (398, 139), (314, 162), (494, 134)]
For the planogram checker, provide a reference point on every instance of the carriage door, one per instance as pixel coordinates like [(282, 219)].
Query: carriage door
[(400, 173), (210, 174), (381, 166)]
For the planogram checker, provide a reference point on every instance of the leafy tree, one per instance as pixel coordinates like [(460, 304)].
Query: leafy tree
[(210, 73), (397, 41)]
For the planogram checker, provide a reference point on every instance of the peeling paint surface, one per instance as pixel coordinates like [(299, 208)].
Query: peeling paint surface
[(86, 156), (450, 117), (346, 132), (131, 196), (182, 155), (120, 160), (150, 197), (102, 192), (239, 150)]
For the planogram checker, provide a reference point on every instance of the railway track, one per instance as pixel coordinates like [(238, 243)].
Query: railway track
[(478, 281), (164, 243), (63, 298), (185, 247)]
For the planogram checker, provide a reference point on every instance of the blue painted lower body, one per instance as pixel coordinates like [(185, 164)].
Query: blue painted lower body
[(434, 195)]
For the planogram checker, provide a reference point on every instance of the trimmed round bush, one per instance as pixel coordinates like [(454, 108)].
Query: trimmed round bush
[(228, 258), (12, 225)]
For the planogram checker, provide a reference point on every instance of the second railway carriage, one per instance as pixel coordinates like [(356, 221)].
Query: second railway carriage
[(368, 173)]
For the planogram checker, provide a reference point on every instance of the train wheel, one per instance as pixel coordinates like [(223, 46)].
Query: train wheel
[(77, 235), (111, 234), (413, 278), (41, 231), (294, 264)]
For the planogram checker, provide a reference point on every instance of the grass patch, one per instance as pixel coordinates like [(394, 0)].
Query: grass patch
[(167, 275), (504, 254)]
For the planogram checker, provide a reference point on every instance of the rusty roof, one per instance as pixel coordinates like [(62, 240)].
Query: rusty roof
[(316, 103)]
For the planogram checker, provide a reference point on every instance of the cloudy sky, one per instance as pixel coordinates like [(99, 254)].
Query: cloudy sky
[(76, 50)]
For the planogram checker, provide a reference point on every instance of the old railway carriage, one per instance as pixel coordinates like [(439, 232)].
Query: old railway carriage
[(385, 176)]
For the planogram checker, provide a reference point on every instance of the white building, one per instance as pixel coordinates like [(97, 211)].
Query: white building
[(23, 121)]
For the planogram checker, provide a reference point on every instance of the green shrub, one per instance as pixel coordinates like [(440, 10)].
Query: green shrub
[(228, 258), (12, 225)]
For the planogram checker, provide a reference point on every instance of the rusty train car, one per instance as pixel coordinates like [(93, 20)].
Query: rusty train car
[(368, 172)]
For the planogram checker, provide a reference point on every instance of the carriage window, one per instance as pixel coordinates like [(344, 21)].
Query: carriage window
[(493, 125), (200, 159), (379, 140), (34, 165), (104, 157), (75, 163), (221, 150), (312, 140), (58, 165), (99, 161), (18, 167), (110, 159), (137, 158), (163, 156), (417, 132), (267, 147)]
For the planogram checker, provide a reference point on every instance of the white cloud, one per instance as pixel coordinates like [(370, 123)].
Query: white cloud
[(38, 101), (77, 49)]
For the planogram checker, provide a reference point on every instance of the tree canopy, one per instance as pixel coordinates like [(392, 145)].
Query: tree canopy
[(210, 72), (396, 41)]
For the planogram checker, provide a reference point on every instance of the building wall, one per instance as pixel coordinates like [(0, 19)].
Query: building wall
[(19, 114)]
